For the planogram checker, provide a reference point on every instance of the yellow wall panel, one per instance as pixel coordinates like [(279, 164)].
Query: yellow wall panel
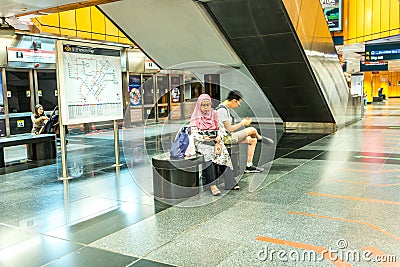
[(376, 18), (359, 18), (67, 32), (86, 23), (395, 83), (112, 38), (124, 40), (376, 82), (51, 30), (293, 9), (99, 36), (83, 19), (345, 17), (306, 27), (49, 20), (368, 86), (385, 34), (85, 35), (394, 17), (67, 19), (98, 21), (111, 29), (370, 19), (392, 87), (385, 15), (352, 21), (367, 17), (375, 36)]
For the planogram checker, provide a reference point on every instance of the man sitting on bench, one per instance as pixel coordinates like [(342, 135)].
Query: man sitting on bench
[(381, 94), (248, 135)]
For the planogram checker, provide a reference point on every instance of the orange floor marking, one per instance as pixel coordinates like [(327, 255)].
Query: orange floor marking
[(304, 246), (370, 171), (365, 183), (380, 201), (377, 252), (348, 220)]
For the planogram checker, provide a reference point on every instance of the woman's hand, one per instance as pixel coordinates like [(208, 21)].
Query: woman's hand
[(218, 139), (207, 138)]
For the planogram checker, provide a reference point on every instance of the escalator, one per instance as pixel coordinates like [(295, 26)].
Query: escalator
[(284, 46)]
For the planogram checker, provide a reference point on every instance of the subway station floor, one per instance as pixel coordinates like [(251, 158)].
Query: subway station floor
[(327, 200)]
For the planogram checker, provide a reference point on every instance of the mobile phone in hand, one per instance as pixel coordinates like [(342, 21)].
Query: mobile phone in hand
[(218, 149)]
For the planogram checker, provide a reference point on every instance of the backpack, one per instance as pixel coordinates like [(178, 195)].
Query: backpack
[(228, 139), (181, 143)]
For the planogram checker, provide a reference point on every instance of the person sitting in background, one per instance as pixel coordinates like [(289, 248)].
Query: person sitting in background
[(39, 119), (381, 94), (365, 99), (207, 137)]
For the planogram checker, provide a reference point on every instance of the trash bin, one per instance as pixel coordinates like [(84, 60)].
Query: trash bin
[(176, 179)]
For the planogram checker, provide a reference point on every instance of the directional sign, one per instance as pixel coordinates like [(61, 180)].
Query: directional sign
[(374, 65), (375, 52)]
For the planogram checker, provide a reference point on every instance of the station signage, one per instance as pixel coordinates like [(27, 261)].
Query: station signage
[(17, 54), (379, 52), (373, 65)]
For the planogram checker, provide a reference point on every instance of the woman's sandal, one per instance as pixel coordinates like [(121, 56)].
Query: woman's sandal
[(236, 187), (216, 192)]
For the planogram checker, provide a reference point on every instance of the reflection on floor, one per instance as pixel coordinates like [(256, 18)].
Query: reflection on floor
[(321, 193)]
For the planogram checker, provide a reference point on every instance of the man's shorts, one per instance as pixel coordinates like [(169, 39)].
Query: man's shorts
[(241, 136)]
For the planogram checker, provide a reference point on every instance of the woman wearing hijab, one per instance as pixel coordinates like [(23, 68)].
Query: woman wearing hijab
[(208, 135)]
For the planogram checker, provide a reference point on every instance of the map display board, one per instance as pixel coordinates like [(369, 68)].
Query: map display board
[(90, 84)]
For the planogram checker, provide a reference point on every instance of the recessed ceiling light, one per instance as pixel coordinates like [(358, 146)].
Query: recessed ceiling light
[(23, 9)]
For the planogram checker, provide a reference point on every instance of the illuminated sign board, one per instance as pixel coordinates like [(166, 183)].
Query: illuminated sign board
[(30, 55), (374, 66), (377, 52), (333, 13)]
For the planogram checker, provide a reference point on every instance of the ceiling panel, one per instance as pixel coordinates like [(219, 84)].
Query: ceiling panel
[(9, 8)]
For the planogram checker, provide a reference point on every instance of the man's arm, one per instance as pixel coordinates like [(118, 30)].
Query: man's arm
[(224, 116), (231, 128)]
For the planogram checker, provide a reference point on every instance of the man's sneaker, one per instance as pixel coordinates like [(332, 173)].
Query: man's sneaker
[(253, 169), (266, 140)]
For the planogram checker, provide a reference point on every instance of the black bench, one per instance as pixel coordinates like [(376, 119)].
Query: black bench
[(179, 178), (41, 146), (176, 179), (377, 99)]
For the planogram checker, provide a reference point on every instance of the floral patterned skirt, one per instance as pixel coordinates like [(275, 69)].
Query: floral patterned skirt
[(208, 152)]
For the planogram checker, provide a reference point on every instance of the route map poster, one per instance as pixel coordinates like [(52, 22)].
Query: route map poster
[(90, 85)]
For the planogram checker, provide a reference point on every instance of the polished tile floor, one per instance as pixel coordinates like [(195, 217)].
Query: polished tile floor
[(325, 200)]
